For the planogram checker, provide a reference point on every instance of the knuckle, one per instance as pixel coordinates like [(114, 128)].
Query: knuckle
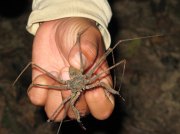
[(36, 99)]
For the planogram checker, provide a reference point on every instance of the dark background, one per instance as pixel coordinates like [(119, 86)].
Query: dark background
[(151, 83)]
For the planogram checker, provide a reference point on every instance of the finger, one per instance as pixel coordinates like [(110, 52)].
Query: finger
[(100, 103), (38, 95), (54, 101), (54, 105), (81, 104), (89, 43)]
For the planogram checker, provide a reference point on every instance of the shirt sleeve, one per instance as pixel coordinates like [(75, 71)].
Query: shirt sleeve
[(97, 10)]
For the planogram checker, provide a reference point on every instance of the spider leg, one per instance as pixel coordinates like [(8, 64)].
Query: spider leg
[(59, 128), (114, 76), (98, 63), (75, 110), (78, 42), (106, 87), (110, 50), (41, 69), (111, 90), (97, 76), (80, 51), (49, 74), (60, 124), (56, 87), (53, 116)]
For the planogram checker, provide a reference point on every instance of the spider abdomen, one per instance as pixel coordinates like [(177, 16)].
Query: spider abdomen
[(77, 83)]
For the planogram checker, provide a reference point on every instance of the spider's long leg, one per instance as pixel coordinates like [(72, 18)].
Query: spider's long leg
[(78, 42), (80, 52), (49, 74), (41, 69), (25, 68), (111, 90), (114, 71), (59, 128), (76, 112), (106, 87), (102, 84), (103, 58), (56, 87), (60, 124), (122, 76), (95, 77), (99, 62), (53, 116)]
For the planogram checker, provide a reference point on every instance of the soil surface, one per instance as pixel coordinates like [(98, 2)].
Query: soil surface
[(151, 85)]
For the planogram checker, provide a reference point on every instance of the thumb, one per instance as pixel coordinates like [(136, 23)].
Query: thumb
[(84, 52)]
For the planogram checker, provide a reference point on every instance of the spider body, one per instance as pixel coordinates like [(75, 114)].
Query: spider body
[(77, 80)]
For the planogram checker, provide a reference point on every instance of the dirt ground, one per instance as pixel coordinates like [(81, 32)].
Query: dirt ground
[(151, 85)]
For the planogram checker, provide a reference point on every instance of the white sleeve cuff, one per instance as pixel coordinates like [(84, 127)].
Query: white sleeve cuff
[(97, 10)]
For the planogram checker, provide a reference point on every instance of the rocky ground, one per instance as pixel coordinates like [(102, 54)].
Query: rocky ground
[(151, 82)]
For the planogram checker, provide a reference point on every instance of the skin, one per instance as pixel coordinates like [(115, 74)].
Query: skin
[(54, 50)]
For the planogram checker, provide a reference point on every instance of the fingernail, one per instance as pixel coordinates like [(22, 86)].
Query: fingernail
[(55, 74), (76, 60), (64, 73)]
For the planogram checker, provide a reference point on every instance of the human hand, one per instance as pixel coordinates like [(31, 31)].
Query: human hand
[(54, 50)]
